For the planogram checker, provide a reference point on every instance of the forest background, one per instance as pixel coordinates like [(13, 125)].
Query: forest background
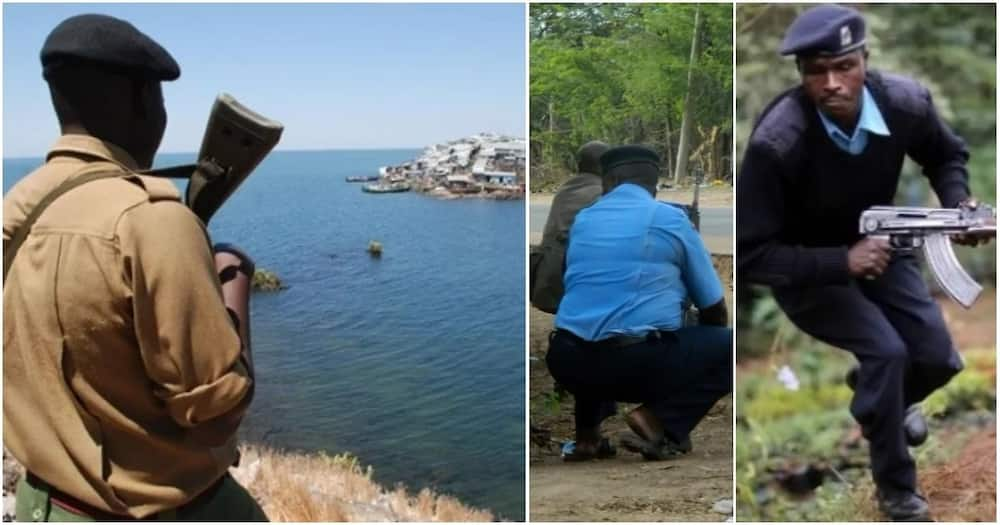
[(654, 74)]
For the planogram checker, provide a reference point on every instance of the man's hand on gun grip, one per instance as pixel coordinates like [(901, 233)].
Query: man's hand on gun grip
[(974, 238), (869, 257)]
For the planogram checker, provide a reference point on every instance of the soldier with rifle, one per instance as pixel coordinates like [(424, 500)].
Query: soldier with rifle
[(127, 365), (820, 155)]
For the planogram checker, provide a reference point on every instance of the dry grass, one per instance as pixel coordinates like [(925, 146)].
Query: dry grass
[(965, 489), (317, 487), (960, 490)]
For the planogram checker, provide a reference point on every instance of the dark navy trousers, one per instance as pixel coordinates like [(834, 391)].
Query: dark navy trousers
[(679, 376), (896, 331)]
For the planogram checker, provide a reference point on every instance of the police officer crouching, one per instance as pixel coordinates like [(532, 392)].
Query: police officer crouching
[(631, 265), (822, 153), (127, 366)]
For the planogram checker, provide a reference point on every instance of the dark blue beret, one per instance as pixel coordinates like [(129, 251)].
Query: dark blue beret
[(107, 43), (826, 30), (622, 155)]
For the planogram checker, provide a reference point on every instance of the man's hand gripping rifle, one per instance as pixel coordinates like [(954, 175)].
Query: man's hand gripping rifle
[(931, 228)]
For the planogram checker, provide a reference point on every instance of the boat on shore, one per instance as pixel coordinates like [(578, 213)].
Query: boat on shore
[(394, 187), (361, 178)]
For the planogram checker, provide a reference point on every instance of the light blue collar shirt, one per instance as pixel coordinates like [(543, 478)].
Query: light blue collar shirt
[(870, 121), (631, 264)]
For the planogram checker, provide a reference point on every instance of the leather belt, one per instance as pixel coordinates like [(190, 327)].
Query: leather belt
[(82, 508), (618, 341)]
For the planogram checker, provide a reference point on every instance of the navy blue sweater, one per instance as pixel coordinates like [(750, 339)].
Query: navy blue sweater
[(799, 196)]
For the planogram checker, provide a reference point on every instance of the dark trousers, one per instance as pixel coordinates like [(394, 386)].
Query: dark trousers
[(679, 376), (896, 331)]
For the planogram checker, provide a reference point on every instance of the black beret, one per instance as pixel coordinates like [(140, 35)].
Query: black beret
[(621, 155), (826, 30), (107, 43)]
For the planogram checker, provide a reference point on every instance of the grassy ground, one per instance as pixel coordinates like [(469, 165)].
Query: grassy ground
[(785, 438)]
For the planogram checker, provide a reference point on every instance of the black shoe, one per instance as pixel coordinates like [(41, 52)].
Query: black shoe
[(915, 426), (666, 448), (914, 423), (903, 506), (852, 377)]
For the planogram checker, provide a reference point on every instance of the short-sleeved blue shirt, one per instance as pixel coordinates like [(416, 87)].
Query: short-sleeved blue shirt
[(630, 265)]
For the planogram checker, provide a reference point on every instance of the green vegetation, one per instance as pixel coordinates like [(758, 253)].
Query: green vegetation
[(779, 430), (971, 390), (626, 73), (266, 281)]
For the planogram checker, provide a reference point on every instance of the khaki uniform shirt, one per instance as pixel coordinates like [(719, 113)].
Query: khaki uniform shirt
[(548, 259), (117, 345)]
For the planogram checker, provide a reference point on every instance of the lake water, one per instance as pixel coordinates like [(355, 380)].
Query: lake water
[(413, 362)]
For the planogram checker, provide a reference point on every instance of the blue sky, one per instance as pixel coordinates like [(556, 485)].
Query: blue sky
[(337, 76)]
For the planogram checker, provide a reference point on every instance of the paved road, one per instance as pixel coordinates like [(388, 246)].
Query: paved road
[(716, 226)]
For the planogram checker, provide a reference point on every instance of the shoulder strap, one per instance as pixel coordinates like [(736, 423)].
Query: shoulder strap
[(21, 233)]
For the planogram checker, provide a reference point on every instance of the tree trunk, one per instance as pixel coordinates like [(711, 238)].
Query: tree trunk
[(552, 116), (669, 146), (684, 145), (549, 150)]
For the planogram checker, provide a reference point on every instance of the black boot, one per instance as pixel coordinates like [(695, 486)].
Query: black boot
[(914, 423), (915, 426), (903, 506)]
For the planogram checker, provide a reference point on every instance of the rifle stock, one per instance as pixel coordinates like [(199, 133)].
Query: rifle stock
[(236, 140)]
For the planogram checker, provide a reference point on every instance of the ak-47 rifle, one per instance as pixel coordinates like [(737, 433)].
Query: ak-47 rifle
[(931, 228)]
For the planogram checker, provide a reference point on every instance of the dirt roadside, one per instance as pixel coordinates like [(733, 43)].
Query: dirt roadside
[(624, 488)]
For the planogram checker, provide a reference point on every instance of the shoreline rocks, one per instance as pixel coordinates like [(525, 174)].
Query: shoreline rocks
[(266, 281)]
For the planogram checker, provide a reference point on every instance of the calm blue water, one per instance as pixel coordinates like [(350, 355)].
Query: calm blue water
[(414, 362)]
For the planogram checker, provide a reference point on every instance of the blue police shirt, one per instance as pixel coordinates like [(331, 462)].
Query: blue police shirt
[(870, 121), (630, 265)]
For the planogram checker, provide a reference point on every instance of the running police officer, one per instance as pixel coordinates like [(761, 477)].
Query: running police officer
[(126, 363), (823, 152)]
